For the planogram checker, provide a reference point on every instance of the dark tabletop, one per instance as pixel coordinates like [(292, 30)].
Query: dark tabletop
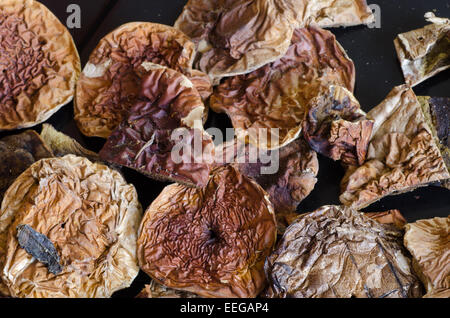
[(377, 72)]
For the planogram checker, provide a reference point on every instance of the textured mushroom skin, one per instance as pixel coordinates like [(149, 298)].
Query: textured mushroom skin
[(109, 84), (402, 155), (336, 127), (293, 181), (88, 212), (155, 290), (276, 95), (144, 140), (211, 241), (393, 217), (424, 52), (338, 252), (429, 244), (39, 64)]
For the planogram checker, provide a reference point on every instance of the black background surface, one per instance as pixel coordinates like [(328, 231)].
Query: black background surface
[(377, 72)]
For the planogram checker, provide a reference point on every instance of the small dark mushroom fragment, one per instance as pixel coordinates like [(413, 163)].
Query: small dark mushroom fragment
[(336, 127), (155, 290), (338, 252)]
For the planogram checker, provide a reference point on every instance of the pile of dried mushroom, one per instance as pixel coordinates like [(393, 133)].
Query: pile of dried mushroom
[(71, 225)]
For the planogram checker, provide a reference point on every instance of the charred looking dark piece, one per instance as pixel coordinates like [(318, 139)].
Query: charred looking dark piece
[(40, 247)]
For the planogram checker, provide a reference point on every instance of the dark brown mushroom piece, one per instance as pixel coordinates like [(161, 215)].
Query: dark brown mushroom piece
[(162, 135), (336, 127), (403, 154), (338, 252), (210, 241), (273, 99)]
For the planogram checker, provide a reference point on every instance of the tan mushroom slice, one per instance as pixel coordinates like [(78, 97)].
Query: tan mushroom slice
[(428, 241), (162, 135), (272, 101), (288, 174), (336, 127), (393, 217), (87, 212), (424, 52), (156, 290), (210, 241), (110, 81), (403, 154), (338, 252), (39, 64)]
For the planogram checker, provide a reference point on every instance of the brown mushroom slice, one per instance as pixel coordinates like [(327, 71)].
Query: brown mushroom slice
[(91, 216), (437, 115), (393, 217), (62, 145), (402, 156), (428, 241), (155, 290), (288, 174), (273, 99), (210, 241), (110, 81), (336, 127), (39, 64), (162, 135), (424, 52), (338, 252)]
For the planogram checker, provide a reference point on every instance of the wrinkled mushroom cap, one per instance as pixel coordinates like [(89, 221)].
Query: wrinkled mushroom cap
[(88, 212), (276, 95), (110, 81), (211, 241), (39, 64), (338, 252)]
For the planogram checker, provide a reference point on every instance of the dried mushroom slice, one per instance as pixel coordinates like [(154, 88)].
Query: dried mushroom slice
[(91, 216), (162, 135), (211, 241), (336, 127), (338, 252), (393, 217), (403, 154), (110, 81), (62, 145), (39, 64), (275, 97), (428, 241), (288, 174), (424, 52), (155, 290)]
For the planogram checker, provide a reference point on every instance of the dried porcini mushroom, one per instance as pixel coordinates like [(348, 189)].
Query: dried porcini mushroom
[(393, 217), (62, 145), (338, 252), (110, 81), (211, 241), (336, 127), (17, 153), (39, 64), (89, 213), (402, 153), (40, 247), (287, 174), (155, 290), (424, 52), (168, 108), (429, 244), (276, 95)]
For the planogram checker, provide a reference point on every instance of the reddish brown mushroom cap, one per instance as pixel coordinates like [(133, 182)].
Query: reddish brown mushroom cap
[(211, 241)]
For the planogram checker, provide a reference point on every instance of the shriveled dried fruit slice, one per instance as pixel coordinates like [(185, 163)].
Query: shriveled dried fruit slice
[(62, 145), (110, 81), (424, 52), (336, 127), (88, 212), (155, 290), (276, 95), (402, 155), (39, 64), (162, 135), (393, 217), (428, 241), (211, 241), (338, 252), (288, 174)]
